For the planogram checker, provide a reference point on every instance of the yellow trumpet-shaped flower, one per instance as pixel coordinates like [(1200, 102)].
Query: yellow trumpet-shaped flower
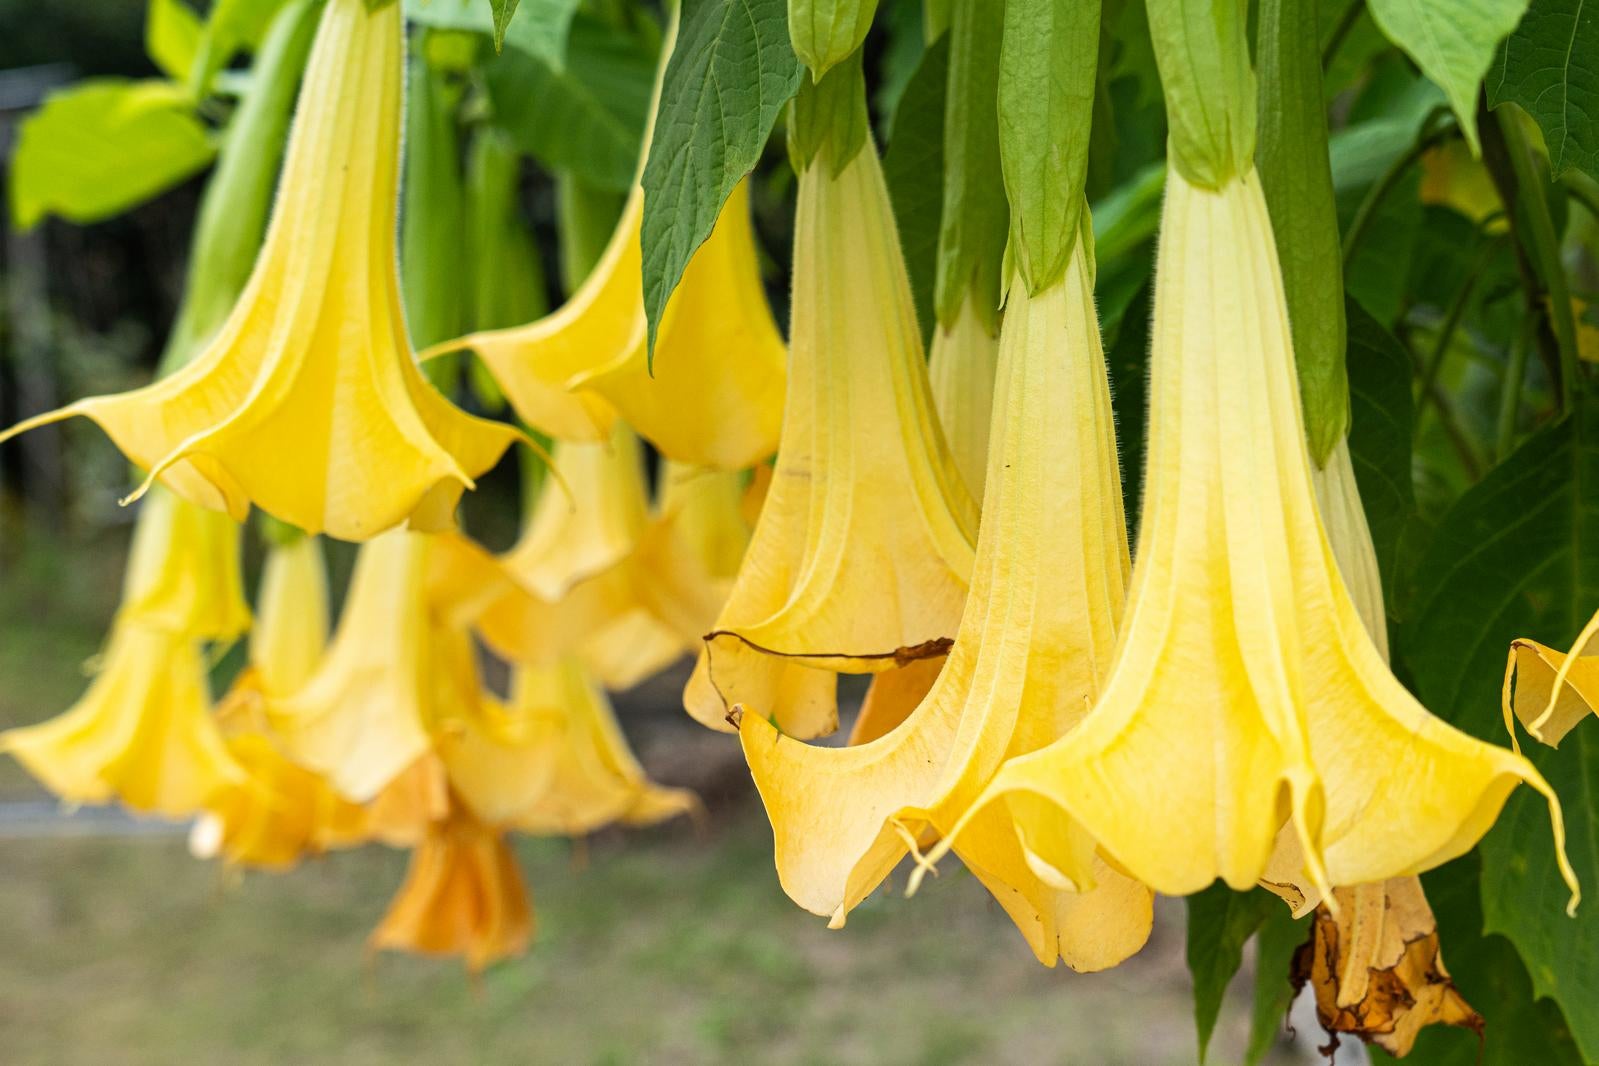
[(961, 367), (285, 811), (864, 546), (142, 734), (597, 779), (638, 598), (463, 895), (183, 571), (589, 525), (714, 396), (500, 759), (1034, 645), (308, 402), (1246, 692), (1551, 692), (360, 718)]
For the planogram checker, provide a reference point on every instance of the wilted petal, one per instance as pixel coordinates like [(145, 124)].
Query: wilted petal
[(1376, 970)]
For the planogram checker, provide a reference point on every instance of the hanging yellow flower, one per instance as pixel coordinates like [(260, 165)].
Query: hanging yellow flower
[(182, 573), (1246, 692), (463, 895), (1033, 647), (285, 811), (308, 403), (359, 720), (961, 368), (588, 521), (714, 396), (864, 546), (1551, 692), (597, 780), (142, 734)]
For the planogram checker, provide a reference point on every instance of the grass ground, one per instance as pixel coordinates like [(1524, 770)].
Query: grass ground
[(665, 946)]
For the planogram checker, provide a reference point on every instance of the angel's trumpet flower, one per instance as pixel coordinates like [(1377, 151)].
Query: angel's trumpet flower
[(1246, 692), (596, 779), (183, 571), (961, 367), (286, 811), (463, 895), (864, 546), (1551, 692), (587, 522), (714, 395), (308, 402), (142, 734), (1034, 644), (360, 718)]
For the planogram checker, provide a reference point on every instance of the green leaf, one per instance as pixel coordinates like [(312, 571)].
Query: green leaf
[(729, 75), (172, 34), (1219, 922), (541, 28), (1518, 556), (827, 32), (1550, 66), (975, 216), (1452, 43), (233, 26), (101, 146), (503, 10), (1046, 106), (587, 117), (1382, 416), (1280, 936), (1519, 1029), (432, 240), (915, 152), (1296, 178)]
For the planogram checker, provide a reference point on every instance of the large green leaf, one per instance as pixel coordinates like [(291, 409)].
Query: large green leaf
[(1382, 413), (172, 33), (1127, 358), (539, 28), (1280, 936), (917, 151), (1550, 66), (586, 117), (1452, 43), (1518, 555), (101, 146), (730, 73), (1219, 922)]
